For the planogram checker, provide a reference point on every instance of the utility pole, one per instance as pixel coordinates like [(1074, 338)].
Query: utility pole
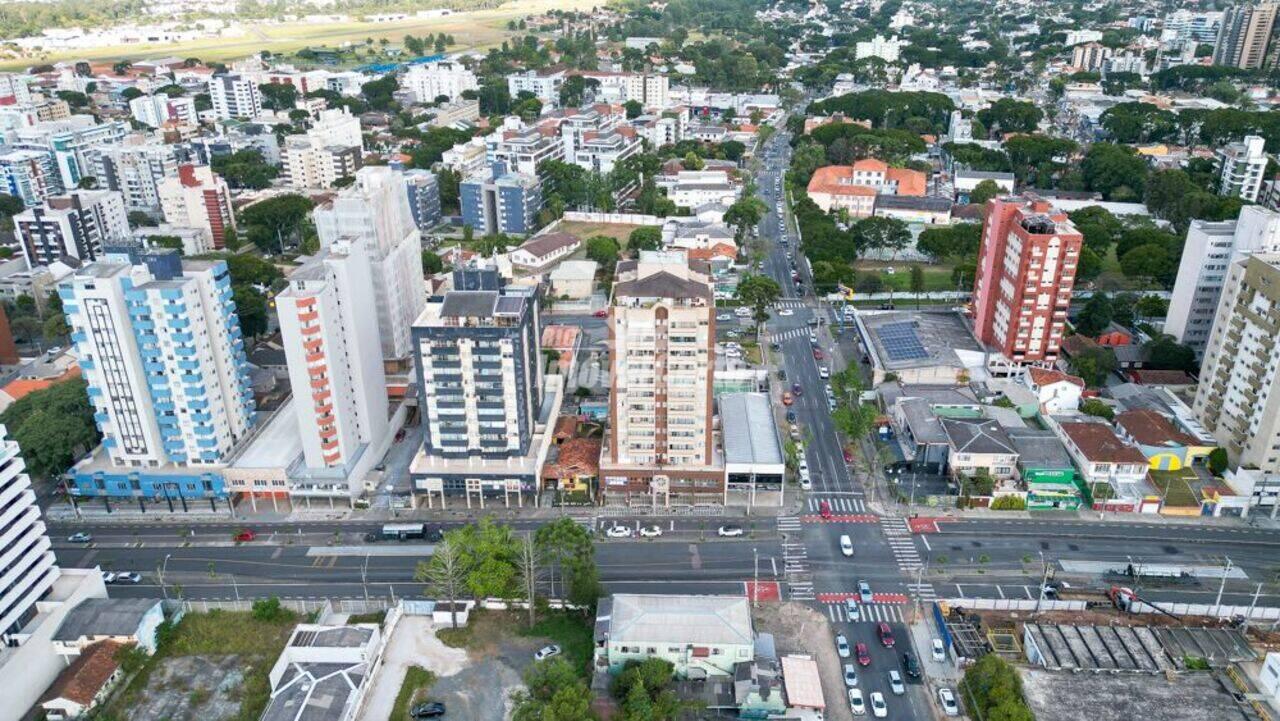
[(364, 581), (1252, 604), (1044, 580), (1217, 604), (755, 583), (160, 575)]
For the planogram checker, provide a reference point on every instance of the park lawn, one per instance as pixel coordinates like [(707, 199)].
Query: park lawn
[(936, 277), (412, 690), (571, 633), (1175, 489)]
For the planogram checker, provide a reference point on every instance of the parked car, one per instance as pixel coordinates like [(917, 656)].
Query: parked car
[(245, 535), (80, 537), (842, 646), (797, 390), (650, 531), (864, 658), (846, 545), (878, 707), (791, 416), (886, 635), (127, 577), (108, 577), (824, 372), (824, 509), (895, 683), (546, 652), (601, 314), (618, 532), (848, 456), (724, 317), (729, 531), (864, 592), (433, 709), (948, 701), (817, 354), (939, 651), (787, 399), (850, 675), (856, 704)]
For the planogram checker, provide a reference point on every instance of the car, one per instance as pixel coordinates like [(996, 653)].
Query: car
[(618, 532), (856, 704), (864, 592), (864, 658), (824, 509), (842, 646), (787, 399), (108, 577), (732, 353), (742, 311), (803, 464), (848, 456), (127, 577), (824, 372), (371, 537), (724, 316), (817, 354), (895, 683), (948, 700), (890, 270), (806, 483), (729, 531), (400, 434), (245, 535), (797, 390), (846, 545), (601, 314), (650, 531), (850, 675), (939, 651), (911, 665), (791, 416), (80, 537), (878, 707), (432, 709), (813, 337), (546, 652), (786, 312), (886, 635), (851, 608)]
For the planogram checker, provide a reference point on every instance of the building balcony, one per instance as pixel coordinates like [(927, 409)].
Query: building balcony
[(310, 330), (319, 383)]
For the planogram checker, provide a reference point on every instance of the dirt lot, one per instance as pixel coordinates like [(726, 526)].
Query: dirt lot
[(617, 231), (799, 629), (191, 687)]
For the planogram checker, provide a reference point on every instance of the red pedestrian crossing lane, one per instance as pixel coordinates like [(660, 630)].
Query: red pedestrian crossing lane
[(854, 518), (763, 590), (875, 597), (926, 525)]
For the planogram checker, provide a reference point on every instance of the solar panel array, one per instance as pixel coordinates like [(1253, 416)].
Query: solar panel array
[(901, 342)]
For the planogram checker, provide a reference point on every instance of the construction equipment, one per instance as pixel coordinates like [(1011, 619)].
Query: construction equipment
[(1124, 598)]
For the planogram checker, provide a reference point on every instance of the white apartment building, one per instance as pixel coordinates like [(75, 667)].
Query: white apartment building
[(597, 139), (887, 49), (1209, 251), (234, 96), (156, 110), (660, 440), (1080, 37), (30, 175), (336, 126), (14, 87), (135, 170), (334, 356), (73, 142), (522, 150), (160, 348), (431, 80), (1090, 56), (374, 213), (76, 225), (198, 198), (1241, 167), (544, 84), (27, 566), (693, 188), (1238, 399), (651, 90), (308, 163), (467, 158)]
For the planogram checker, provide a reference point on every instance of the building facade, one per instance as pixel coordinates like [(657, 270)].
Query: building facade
[(506, 204), (306, 162), (198, 198), (160, 348), (422, 189), (136, 171), (1241, 167), (1238, 399), (1244, 35), (30, 175), (234, 96), (1026, 273), (28, 565), (76, 225), (432, 80), (375, 214), (158, 110)]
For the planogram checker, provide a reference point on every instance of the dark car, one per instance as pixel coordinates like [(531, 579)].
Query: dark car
[(435, 535), (432, 709), (796, 389), (886, 635), (372, 537), (791, 416), (911, 665)]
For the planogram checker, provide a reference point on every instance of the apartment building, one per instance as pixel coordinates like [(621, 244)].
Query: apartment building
[(73, 142), (307, 163), (651, 90), (1025, 276), (660, 442), (1238, 399), (76, 225), (458, 113), (198, 198), (887, 49), (522, 150), (374, 213), (28, 565), (597, 138), (334, 356), (135, 170), (508, 203), (30, 175), (466, 159), (157, 110), (1245, 34), (854, 188), (234, 96), (422, 190), (1090, 56), (544, 84), (160, 348), (1241, 167), (336, 126), (432, 80), (1208, 253)]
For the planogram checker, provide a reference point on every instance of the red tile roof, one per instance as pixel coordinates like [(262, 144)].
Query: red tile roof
[(1047, 376), (1100, 444), (836, 179), (83, 679), (1153, 429)]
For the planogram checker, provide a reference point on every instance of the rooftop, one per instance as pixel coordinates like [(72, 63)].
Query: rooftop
[(1039, 449), (104, 617), (1150, 428), (750, 435), (909, 339), (977, 435), (1100, 444), (1065, 696), (84, 678), (680, 619)]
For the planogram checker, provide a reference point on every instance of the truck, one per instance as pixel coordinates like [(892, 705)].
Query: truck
[(1121, 598)]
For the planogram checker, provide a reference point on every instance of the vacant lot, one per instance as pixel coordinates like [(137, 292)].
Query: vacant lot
[(936, 277), (1176, 488), (618, 231)]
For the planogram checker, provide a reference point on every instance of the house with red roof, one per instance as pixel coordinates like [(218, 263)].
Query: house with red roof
[(854, 188), (1058, 392)]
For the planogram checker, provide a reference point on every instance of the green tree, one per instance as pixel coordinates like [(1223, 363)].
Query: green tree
[(1096, 315), (633, 108), (758, 292), (445, 575), (489, 554), (251, 309), (603, 250), (1095, 407), (52, 426), (554, 691), (131, 94), (1164, 352), (278, 96), (1094, 364), (880, 233), (245, 169), (1099, 227), (280, 219), (1218, 461), (648, 237), (1007, 115), (1116, 171), (570, 555), (984, 191), (917, 282), (993, 691), (744, 214), (432, 263)]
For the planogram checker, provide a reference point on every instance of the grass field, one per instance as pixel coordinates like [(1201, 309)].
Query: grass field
[(1175, 489), (477, 29), (417, 680), (583, 230), (936, 277)]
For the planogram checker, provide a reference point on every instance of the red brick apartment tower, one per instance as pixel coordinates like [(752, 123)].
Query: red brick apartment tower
[(1026, 272)]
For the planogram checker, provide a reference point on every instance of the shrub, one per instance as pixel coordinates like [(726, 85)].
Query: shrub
[(1009, 503)]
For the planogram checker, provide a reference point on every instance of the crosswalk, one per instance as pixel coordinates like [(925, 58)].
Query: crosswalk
[(795, 569), (788, 334), (792, 304), (898, 534), (867, 612), (788, 524), (922, 591), (839, 504)]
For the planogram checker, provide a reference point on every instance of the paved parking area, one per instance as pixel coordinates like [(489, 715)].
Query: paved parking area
[(413, 642)]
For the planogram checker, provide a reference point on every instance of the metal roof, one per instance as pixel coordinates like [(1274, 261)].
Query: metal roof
[(750, 435)]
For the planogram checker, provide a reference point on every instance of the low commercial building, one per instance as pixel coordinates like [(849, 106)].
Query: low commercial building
[(541, 251), (855, 188), (1103, 458), (1046, 468), (978, 445), (965, 181), (323, 672), (701, 636), (1167, 447), (753, 455), (85, 683), (924, 347), (122, 620), (917, 210), (574, 279)]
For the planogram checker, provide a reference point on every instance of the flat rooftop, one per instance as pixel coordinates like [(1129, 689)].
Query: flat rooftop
[(903, 340), (1066, 696)]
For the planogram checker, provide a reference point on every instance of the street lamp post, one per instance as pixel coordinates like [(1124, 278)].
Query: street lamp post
[(164, 566), (1217, 603), (755, 583)]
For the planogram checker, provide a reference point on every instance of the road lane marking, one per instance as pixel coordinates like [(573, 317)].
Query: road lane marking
[(925, 541)]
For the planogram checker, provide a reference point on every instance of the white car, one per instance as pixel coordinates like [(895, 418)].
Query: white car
[(729, 531), (855, 703), (803, 464), (850, 675), (948, 701), (128, 577), (546, 652), (806, 483), (618, 532), (890, 270), (650, 531), (939, 651), (864, 592), (846, 546), (824, 372), (842, 645), (851, 608), (895, 683), (878, 707), (108, 577), (742, 311), (725, 316), (733, 345)]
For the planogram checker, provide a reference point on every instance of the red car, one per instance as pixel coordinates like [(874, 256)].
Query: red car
[(886, 635), (848, 456), (864, 658), (601, 314), (787, 399), (824, 509), (817, 354), (245, 536)]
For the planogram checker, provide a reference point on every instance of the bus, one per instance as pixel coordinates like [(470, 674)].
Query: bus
[(404, 531)]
